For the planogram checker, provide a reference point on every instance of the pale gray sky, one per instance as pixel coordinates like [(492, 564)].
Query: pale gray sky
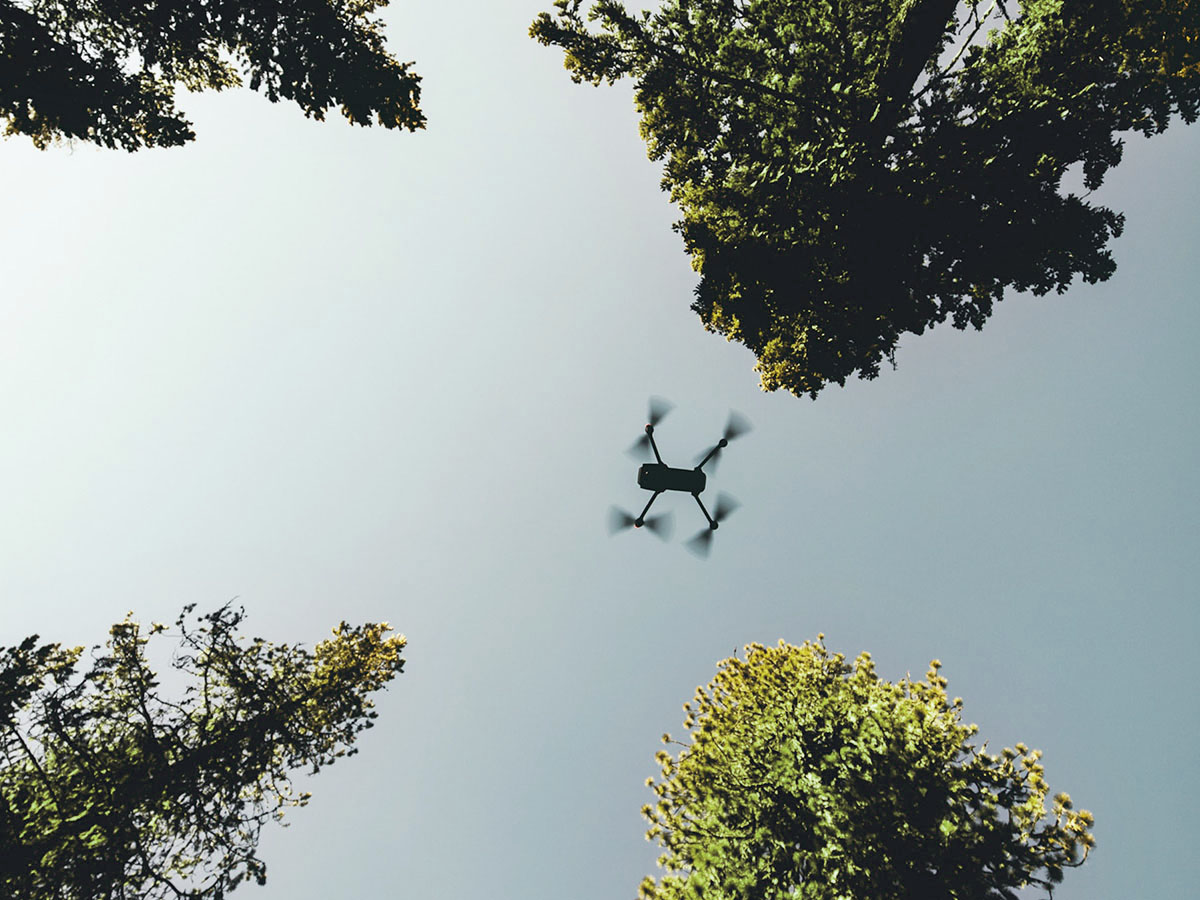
[(352, 374)]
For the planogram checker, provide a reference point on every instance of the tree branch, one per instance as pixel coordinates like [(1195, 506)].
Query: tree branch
[(914, 41)]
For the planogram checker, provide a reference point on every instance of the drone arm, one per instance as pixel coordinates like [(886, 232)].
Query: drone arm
[(654, 447), (645, 509), (720, 445), (711, 523)]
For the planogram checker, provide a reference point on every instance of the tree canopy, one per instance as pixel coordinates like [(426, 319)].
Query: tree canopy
[(852, 170), (109, 789), (806, 777), (106, 72)]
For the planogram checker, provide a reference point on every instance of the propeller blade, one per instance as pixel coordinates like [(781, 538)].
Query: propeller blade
[(736, 426), (639, 448), (619, 520), (726, 505), (661, 525), (701, 544), (658, 409)]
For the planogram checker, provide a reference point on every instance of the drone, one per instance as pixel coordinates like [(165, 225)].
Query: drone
[(658, 478)]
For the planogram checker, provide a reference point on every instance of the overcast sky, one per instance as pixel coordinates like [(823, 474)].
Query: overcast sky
[(353, 374)]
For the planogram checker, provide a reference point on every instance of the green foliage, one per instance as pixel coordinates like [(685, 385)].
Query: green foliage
[(110, 790), (106, 72), (806, 777), (853, 170)]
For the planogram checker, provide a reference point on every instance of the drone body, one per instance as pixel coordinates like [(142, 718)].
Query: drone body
[(658, 478)]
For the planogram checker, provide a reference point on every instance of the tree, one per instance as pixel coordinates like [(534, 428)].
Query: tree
[(106, 72), (805, 777), (850, 171), (108, 789)]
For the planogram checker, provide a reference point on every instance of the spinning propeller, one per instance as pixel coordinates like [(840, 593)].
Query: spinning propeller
[(734, 428), (619, 520), (702, 542), (658, 409)]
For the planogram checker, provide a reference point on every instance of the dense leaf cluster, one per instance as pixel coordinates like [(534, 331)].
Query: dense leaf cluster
[(853, 170), (108, 789), (106, 71), (806, 777)]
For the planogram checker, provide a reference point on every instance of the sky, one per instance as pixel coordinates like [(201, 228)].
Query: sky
[(350, 374)]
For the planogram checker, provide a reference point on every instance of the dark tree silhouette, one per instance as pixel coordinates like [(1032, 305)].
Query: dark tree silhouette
[(110, 790), (853, 170), (106, 72)]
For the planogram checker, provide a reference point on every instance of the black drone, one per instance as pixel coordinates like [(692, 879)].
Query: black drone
[(658, 477)]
